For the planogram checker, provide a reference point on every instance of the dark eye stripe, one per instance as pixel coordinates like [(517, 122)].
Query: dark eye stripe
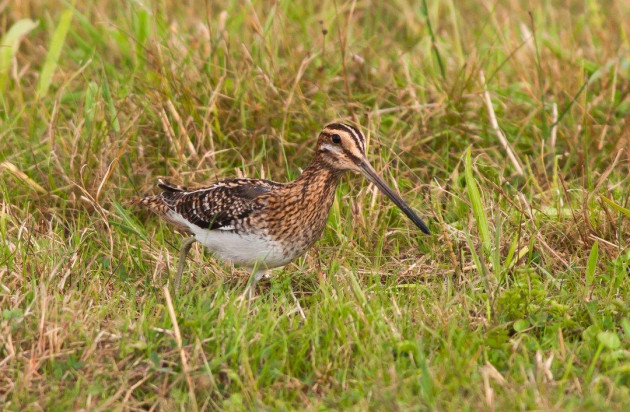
[(357, 136), (350, 155), (356, 133)]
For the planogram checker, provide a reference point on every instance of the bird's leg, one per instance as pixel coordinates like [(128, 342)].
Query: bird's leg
[(257, 274), (186, 245)]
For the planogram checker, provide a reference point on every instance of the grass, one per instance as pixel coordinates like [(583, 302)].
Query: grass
[(519, 300)]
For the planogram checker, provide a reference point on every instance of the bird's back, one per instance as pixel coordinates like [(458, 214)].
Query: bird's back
[(219, 206)]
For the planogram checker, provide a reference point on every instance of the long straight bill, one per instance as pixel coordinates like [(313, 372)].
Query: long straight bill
[(371, 175)]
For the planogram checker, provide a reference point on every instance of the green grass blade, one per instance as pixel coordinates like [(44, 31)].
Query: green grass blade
[(143, 31), (510, 255), (10, 43), (89, 105), (128, 223), (592, 264), (476, 202), (54, 51), (615, 206), (436, 52), (111, 107), (482, 270)]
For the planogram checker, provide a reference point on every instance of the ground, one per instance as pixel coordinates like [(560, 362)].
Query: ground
[(504, 124)]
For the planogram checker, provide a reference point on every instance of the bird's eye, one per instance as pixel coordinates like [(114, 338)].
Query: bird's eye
[(336, 139)]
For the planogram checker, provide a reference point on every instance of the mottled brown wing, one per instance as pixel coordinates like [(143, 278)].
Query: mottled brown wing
[(219, 205)]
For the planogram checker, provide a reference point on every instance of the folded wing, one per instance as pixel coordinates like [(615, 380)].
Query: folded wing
[(215, 207)]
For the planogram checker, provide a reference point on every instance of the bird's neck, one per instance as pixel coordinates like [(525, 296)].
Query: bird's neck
[(302, 205), (306, 202), (315, 188), (317, 173)]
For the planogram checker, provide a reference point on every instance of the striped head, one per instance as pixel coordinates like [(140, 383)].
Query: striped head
[(341, 147)]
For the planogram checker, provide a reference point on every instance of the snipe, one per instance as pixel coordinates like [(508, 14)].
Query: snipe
[(262, 224)]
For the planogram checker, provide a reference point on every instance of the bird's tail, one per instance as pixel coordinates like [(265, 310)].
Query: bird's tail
[(161, 204), (156, 203), (152, 203)]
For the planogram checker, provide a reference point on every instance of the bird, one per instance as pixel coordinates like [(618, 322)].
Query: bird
[(260, 224)]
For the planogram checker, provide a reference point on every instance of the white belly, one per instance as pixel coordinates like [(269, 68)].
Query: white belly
[(240, 249), (247, 250)]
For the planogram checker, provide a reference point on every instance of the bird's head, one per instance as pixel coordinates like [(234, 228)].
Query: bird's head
[(341, 147)]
